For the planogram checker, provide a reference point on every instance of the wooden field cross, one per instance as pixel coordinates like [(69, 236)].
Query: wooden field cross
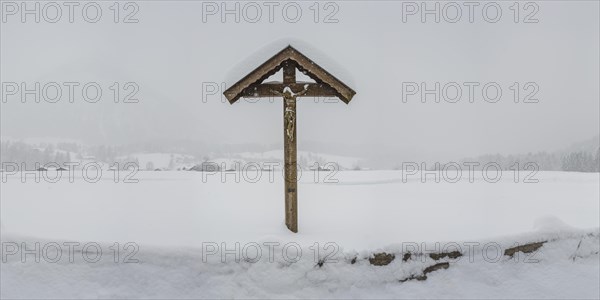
[(325, 85)]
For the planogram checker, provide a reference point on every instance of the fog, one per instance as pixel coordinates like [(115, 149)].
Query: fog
[(177, 50)]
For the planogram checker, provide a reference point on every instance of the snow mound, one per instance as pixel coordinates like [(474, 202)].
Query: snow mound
[(254, 60), (552, 224)]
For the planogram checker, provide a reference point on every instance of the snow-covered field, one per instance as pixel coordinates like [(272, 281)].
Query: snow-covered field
[(181, 223)]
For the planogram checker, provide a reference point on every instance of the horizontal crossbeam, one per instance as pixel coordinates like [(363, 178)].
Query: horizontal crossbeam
[(276, 88)]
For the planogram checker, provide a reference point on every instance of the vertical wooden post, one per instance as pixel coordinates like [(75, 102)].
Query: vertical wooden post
[(289, 137)]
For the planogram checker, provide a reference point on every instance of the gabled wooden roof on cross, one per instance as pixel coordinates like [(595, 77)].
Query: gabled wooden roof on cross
[(326, 84)]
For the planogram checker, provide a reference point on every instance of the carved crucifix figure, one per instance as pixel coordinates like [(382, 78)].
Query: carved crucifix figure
[(290, 120), (289, 109), (289, 60)]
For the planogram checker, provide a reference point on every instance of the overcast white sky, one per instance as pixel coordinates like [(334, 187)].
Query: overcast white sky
[(171, 51)]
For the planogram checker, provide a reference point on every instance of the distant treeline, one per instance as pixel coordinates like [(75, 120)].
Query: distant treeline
[(43, 153), (19, 152), (581, 162), (59, 153), (577, 161)]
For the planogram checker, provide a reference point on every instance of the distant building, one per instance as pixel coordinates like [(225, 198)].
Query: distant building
[(320, 168), (206, 167)]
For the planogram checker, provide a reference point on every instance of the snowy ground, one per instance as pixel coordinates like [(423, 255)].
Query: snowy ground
[(181, 222), (182, 273)]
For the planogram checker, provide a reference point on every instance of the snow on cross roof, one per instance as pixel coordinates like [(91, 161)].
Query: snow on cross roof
[(259, 66)]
